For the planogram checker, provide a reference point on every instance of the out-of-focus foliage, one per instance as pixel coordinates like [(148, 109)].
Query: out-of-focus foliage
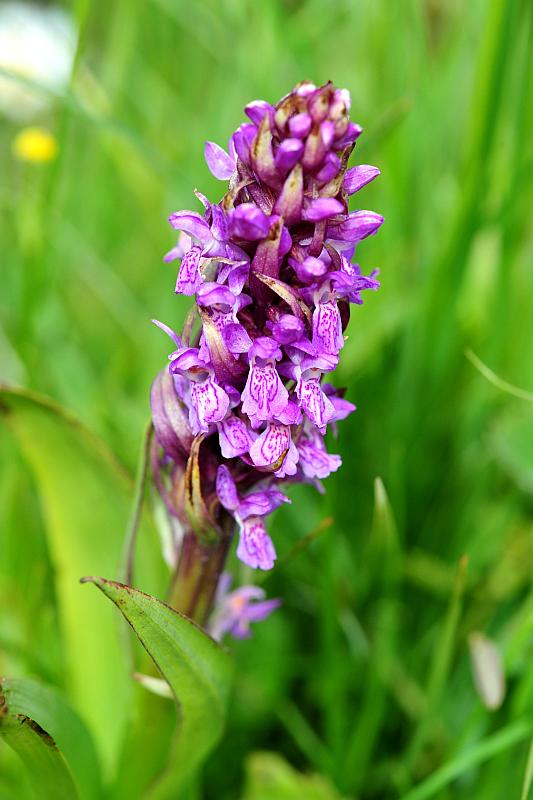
[(364, 675)]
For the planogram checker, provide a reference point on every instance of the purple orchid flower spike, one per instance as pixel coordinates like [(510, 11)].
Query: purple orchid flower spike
[(244, 407)]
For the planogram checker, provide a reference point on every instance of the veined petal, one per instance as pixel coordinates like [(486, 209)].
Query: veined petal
[(264, 395), (188, 275), (315, 403), (261, 503), (210, 403), (234, 436), (255, 545), (315, 461), (327, 328), (236, 338), (271, 447), (291, 414)]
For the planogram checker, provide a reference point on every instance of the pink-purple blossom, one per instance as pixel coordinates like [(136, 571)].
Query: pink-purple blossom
[(270, 268), (236, 610)]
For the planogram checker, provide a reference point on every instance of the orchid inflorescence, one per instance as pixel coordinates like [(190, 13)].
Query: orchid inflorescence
[(243, 407)]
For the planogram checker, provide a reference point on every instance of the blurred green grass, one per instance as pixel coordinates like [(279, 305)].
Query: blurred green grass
[(364, 675)]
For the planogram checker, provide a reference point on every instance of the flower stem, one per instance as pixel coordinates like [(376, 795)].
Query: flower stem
[(194, 584)]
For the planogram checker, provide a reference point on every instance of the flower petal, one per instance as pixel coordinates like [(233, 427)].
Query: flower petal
[(264, 395), (315, 403), (188, 276), (270, 448), (357, 177), (327, 328), (255, 545), (192, 223), (249, 222), (220, 164), (260, 504), (234, 436), (210, 403), (226, 489), (322, 208)]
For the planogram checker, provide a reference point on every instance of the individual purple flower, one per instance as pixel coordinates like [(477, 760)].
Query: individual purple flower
[(264, 396), (234, 611), (327, 326), (255, 545), (314, 459), (316, 404), (270, 268)]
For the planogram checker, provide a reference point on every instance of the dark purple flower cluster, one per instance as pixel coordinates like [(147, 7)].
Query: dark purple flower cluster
[(270, 267)]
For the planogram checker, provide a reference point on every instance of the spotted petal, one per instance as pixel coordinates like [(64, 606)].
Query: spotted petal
[(209, 404), (327, 328), (275, 451), (315, 461), (255, 545), (188, 275), (315, 403), (234, 436), (264, 395)]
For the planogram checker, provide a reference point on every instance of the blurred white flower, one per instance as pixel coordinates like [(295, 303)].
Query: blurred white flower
[(487, 668), (36, 43)]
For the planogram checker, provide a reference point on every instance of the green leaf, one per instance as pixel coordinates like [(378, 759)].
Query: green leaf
[(197, 670), (270, 777), (470, 758), (511, 441), (49, 775), (85, 497), (40, 725)]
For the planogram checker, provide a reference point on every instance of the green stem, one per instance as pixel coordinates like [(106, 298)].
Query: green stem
[(195, 581)]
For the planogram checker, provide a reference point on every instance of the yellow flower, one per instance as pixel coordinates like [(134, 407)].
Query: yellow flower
[(34, 144)]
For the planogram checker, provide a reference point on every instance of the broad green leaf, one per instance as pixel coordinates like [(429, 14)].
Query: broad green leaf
[(49, 775), (47, 710), (270, 777), (197, 670), (85, 498)]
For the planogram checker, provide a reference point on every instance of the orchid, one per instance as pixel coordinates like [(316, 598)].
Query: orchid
[(243, 406)]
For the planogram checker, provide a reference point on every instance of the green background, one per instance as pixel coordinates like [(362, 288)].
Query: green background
[(364, 674)]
